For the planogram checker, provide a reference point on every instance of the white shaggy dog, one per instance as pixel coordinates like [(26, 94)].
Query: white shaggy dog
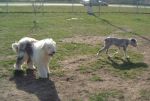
[(34, 53)]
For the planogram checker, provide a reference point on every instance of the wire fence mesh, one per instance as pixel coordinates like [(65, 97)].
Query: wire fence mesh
[(74, 6)]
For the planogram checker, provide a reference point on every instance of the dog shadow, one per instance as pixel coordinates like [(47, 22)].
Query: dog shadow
[(126, 64), (44, 89)]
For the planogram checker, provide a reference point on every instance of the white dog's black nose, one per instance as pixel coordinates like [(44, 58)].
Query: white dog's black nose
[(51, 54)]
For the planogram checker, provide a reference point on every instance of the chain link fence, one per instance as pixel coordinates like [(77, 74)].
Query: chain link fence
[(74, 6)]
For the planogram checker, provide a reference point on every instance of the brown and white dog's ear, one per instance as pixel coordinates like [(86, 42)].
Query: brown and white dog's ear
[(15, 47)]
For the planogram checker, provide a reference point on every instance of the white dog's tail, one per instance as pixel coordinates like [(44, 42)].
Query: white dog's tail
[(15, 47)]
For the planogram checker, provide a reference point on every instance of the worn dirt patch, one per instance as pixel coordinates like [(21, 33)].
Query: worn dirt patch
[(74, 85), (76, 61), (92, 40), (82, 87), (144, 48)]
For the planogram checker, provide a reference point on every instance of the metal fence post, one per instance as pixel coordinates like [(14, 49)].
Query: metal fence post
[(7, 6), (72, 6), (137, 6), (99, 9)]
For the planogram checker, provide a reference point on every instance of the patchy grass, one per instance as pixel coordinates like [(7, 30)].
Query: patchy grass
[(107, 96), (15, 25), (130, 68), (145, 94), (96, 78), (57, 72)]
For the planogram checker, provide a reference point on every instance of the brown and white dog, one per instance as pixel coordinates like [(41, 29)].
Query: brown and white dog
[(34, 53), (120, 43)]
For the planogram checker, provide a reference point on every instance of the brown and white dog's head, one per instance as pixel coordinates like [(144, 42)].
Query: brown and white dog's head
[(133, 42)]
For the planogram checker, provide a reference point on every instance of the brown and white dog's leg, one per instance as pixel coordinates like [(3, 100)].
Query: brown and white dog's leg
[(125, 52), (103, 49), (116, 51)]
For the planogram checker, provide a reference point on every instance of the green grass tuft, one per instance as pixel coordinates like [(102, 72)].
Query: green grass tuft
[(96, 78), (145, 94), (107, 96)]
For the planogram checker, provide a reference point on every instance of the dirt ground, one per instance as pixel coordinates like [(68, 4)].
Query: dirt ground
[(76, 86)]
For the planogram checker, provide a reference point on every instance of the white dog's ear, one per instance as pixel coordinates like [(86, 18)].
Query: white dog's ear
[(15, 47), (43, 45)]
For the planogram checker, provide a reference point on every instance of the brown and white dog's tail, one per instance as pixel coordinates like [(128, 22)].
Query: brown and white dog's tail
[(15, 47)]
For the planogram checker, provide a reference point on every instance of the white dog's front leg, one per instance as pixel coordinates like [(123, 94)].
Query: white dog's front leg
[(42, 72), (48, 72)]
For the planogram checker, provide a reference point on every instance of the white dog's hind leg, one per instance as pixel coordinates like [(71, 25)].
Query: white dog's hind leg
[(20, 60), (30, 65)]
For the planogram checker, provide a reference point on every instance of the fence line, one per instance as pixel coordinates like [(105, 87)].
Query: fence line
[(72, 7)]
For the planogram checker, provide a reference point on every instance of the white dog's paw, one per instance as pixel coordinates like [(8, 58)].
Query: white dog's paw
[(17, 67), (127, 57), (116, 52), (31, 67), (97, 54), (43, 75)]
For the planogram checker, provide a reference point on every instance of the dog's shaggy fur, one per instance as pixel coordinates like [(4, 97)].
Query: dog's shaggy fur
[(23, 48), (34, 53), (120, 43)]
